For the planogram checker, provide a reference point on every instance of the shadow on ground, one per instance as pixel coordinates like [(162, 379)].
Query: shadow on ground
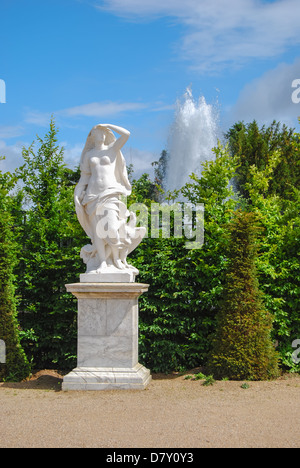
[(49, 379), (41, 380)]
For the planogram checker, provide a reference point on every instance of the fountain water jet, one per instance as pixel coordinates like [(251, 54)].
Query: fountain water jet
[(193, 135)]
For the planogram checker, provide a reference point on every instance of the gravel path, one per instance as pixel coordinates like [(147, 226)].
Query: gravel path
[(171, 413)]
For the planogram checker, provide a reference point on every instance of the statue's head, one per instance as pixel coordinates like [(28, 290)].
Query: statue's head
[(98, 135), (101, 134)]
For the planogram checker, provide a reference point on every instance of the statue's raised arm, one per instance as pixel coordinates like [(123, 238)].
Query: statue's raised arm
[(124, 135)]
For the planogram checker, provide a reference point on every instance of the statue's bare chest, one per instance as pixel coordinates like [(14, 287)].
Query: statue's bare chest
[(100, 160)]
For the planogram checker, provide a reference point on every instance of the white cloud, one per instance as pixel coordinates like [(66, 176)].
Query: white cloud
[(13, 156), (164, 107), (146, 8), (72, 154), (141, 161), (94, 109), (41, 119), (219, 33), (11, 131), (270, 97), (102, 109)]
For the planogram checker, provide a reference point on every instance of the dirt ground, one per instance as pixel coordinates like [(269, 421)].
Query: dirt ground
[(172, 412)]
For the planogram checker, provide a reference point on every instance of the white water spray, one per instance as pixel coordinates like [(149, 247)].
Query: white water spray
[(192, 137)]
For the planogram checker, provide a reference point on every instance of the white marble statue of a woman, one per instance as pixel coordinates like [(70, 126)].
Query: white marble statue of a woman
[(99, 206)]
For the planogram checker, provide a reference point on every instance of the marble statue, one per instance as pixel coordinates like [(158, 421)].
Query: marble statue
[(100, 201)]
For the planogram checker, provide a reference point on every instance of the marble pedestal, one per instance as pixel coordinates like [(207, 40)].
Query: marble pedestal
[(107, 338)]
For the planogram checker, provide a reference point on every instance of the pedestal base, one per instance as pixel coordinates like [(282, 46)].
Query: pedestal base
[(105, 378), (107, 347)]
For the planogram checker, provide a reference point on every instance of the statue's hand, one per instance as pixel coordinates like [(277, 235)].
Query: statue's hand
[(81, 196)]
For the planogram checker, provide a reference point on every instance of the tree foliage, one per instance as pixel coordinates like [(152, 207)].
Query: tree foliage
[(268, 178), (278, 263), (242, 346), (254, 146), (49, 240), (16, 366), (178, 316)]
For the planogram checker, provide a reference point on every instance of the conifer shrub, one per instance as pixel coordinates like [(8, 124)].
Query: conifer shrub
[(242, 346), (16, 366)]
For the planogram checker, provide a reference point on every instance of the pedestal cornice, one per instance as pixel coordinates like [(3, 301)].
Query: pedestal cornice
[(107, 290)]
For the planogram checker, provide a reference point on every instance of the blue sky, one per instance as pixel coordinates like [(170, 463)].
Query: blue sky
[(126, 62)]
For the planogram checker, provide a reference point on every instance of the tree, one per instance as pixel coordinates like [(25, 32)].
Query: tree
[(252, 145), (242, 346), (50, 241), (177, 315), (16, 366), (278, 263), (143, 190), (160, 173), (269, 178)]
